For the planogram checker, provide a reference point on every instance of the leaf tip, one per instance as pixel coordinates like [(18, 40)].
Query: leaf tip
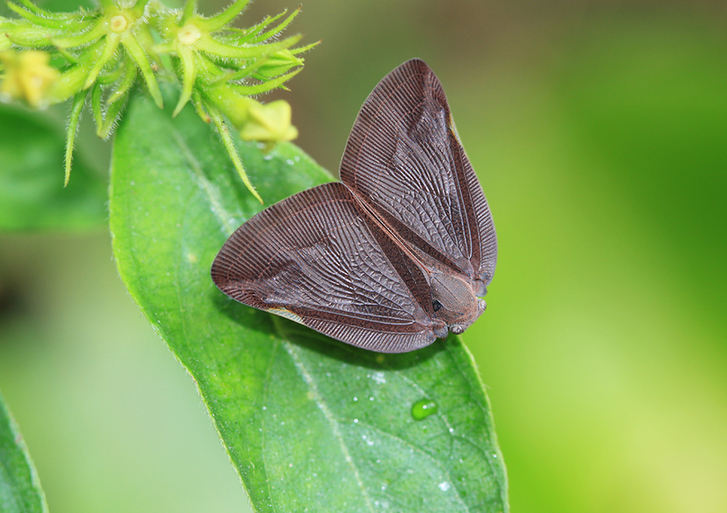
[(67, 174), (180, 105)]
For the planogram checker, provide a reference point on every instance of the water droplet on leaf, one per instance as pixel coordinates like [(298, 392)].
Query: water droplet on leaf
[(423, 408), (378, 377)]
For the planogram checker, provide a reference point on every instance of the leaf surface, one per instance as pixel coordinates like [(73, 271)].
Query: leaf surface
[(19, 486), (310, 424), (32, 196)]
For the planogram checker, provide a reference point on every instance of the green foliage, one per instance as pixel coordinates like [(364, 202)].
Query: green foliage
[(31, 190), (19, 488), (96, 56), (309, 423)]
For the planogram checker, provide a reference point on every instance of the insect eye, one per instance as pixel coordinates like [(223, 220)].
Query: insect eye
[(436, 305)]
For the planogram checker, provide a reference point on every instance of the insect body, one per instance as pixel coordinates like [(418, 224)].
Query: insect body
[(397, 254)]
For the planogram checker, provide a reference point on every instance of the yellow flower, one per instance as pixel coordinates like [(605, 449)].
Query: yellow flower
[(269, 122), (27, 76)]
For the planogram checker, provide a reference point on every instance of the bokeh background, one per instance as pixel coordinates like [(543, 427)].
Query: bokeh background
[(599, 132)]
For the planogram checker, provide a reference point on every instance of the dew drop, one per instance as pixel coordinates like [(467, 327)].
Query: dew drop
[(444, 486), (378, 377), (423, 408), (355, 399)]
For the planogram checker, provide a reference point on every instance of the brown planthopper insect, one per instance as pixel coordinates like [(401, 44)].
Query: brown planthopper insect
[(397, 254)]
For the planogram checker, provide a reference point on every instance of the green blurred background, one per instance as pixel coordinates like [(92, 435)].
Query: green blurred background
[(599, 132)]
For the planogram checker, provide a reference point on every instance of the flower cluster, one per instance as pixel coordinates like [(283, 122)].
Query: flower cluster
[(96, 56)]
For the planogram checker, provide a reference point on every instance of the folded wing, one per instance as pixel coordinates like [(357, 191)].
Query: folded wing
[(318, 259), (404, 159)]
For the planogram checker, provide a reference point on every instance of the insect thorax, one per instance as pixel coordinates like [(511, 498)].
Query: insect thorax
[(454, 301)]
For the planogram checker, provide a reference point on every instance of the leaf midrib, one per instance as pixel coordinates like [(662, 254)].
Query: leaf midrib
[(227, 228), (200, 178)]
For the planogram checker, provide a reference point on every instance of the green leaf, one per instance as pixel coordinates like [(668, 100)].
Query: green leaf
[(32, 196), (310, 424), (19, 486)]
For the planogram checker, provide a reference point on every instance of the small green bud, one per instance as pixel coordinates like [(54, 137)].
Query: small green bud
[(24, 34), (277, 64), (68, 84), (233, 105), (4, 42)]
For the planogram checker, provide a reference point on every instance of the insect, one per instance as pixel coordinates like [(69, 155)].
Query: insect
[(396, 254)]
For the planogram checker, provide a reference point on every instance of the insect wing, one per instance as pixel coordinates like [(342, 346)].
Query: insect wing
[(404, 159), (318, 259)]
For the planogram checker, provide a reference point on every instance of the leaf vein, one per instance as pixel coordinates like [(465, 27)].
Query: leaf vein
[(330, 417), (204, 184), (415, 448)]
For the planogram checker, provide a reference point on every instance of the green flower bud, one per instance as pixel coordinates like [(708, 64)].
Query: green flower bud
[(233, 105), (277, 64)]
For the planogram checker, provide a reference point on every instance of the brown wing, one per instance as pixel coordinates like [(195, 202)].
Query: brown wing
[(404, 159), (318, 259)]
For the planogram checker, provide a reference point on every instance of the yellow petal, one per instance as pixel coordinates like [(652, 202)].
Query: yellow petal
[(269, 122), (27, 76)]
